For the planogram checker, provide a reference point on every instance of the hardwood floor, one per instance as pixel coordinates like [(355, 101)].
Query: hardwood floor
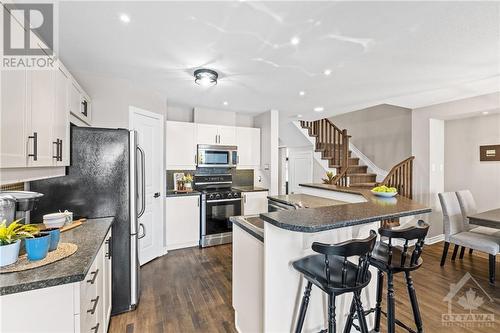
[(190, 291)]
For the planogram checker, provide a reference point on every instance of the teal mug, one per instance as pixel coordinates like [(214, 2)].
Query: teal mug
[(55, 235)]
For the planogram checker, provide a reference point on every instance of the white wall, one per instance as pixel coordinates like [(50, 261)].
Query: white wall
[(269, 132), (422, 141), (462, 168), (111, 98)]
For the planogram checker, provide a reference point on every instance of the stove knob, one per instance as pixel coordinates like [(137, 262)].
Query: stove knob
[(236, 195), (229, 195), (217, 196), (210, 196)]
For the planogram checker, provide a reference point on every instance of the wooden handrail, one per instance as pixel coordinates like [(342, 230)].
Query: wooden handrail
[(401, 177)]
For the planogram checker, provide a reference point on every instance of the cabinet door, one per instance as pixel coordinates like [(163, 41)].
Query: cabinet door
[(254, 203), (183, 221), (61, 115), (248, 142), (13, 110), (42, 105), (207, 134), (227, 135), (75, 96), (181, 145), (107, 282), (101, 296)]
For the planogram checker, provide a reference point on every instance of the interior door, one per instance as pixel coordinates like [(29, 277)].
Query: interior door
[(300, 165), (149, 128)]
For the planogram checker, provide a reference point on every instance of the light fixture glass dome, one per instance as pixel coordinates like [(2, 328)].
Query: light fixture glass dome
[(205, 77)]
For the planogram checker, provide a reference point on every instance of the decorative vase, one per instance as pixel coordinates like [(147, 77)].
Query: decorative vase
[(9, 253), (38, 246), (188, 186)]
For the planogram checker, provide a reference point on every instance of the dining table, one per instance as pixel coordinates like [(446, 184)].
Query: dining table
[(489, 218)]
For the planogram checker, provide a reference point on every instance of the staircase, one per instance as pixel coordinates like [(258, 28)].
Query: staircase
[(333, 144)]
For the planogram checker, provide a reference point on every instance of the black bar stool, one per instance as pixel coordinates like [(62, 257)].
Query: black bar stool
[(331, 272), (391, 260)]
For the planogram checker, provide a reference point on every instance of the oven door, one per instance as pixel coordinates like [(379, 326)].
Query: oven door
[(217, 215)]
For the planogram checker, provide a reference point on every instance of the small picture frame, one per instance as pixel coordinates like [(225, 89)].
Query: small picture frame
[(178, 176)]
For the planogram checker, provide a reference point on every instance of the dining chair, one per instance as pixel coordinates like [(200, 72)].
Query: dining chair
[(456, 233)]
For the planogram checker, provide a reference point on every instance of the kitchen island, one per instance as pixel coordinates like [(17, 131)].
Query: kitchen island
[(267, 277), (77, 288)]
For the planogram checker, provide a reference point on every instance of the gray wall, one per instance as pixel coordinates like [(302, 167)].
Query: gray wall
[(462, 168), (382, 133)]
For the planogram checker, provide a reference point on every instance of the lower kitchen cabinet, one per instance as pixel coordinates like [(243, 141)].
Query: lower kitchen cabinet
[(80, 307), (182, 221), (254, 203)]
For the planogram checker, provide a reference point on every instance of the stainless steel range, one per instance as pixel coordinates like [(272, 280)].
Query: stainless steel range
[(218, 203)]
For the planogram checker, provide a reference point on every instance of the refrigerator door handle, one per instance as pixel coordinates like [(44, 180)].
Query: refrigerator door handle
[(143, 231), (143, 181)]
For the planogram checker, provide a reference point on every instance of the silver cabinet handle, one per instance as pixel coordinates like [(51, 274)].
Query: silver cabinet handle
[(60, 150), (143, 182), (94, 273), (35, 146), (95, 301), (143, 231), (56, 157)]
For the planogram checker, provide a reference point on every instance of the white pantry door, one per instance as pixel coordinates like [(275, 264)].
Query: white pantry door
[(149, 128), (300, 168)]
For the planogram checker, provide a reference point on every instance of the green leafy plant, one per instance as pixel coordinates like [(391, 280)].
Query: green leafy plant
[(16, 231), (188, 178), (330, 177)]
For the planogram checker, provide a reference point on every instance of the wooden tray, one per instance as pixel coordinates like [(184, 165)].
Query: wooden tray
[(64, 250)]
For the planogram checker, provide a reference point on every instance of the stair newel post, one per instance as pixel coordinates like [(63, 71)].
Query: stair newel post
[(345, 142)]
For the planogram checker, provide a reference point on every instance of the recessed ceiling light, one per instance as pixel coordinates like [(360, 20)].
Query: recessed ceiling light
[(319, 109), (225, 103), (295, 40), (485, 112), (327, 72), (299, 116), (302, 93), (124, 18), (205, 77)]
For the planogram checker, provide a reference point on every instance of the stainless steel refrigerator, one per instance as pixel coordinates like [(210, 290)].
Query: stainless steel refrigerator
[(105, 178)]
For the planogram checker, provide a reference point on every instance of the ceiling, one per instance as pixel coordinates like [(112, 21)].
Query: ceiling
[(405, 53)]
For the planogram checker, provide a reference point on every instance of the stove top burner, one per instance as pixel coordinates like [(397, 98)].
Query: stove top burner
[(218, 194)]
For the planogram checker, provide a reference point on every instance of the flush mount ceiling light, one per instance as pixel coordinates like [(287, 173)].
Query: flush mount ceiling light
[(225, 103), (124, 18), (319, 109), (302, 93), (295, 40), (327, 72), (485, 113), (205, 77)]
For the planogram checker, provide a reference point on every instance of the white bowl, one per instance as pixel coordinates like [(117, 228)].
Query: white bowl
[(54, 220), (385, 194)]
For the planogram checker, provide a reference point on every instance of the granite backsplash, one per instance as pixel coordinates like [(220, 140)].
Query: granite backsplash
[(240, 177)]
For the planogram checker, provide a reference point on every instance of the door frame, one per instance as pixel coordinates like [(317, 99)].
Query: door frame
[(298, 152), (136, 110)]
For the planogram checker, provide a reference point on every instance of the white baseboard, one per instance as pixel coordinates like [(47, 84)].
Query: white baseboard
[(434, 239)]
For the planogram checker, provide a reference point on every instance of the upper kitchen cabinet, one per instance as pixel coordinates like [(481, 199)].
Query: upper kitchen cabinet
[(181, 145), (79, 105), (60, 133), (216, 135), (248, 142)]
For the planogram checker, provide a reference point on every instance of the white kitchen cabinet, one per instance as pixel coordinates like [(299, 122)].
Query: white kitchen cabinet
[(41, 87), (182, 221), (107, 291), (216, 135), (254, 203), (80, 307), (227, 135), (248, 142), (79, 103), (181, 145), (61, 117)]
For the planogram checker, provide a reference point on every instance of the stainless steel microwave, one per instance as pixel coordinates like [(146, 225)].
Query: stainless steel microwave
[(212, 156)]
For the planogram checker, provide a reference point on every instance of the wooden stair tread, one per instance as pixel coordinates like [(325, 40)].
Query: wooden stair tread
[(362, 174), (369, 184)]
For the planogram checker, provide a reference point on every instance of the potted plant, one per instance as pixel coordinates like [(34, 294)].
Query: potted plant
[(188, 182), (10, 240), (329, 178)]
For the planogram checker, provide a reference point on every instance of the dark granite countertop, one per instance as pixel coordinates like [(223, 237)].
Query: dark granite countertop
[(300, 200), (249, 188), (252, 224), (349, 214), (88, 237), (172, 193)]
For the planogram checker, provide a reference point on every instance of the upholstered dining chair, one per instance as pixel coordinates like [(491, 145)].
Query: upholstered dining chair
[(456, 233), (468, 207)]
